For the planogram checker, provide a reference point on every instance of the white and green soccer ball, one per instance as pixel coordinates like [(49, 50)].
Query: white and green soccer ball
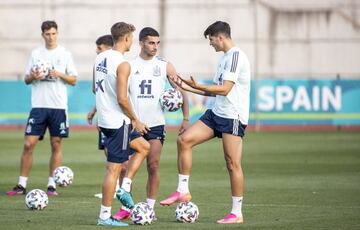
[(171, 100), (187, 212), (36, 199), (63, 176), (142, 214)]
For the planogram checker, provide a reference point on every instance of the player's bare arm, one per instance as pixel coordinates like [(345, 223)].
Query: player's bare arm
[(123, 73), (91, 115), (170, 71)]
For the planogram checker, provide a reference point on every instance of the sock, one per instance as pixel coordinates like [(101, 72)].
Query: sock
[(183, 184), (105, 212), (125, 208), (236, 205), (51, 182), (126, 184), (23, 181), (151, 202)]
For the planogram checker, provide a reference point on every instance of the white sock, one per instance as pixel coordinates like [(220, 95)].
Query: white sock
[(51, 182), (125, 208), (105, 212), (236, 205), (23, 181), (183, 184), (151, 202), (126, 184)]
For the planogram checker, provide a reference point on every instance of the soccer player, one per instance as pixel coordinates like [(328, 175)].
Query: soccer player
[(147, 81), (227, 119), (116, 119), (103, 43), (48, 105)]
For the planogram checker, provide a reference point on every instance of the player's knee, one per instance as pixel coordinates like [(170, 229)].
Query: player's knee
[(28, 147), (56, 145), (112, 170), (232, 166), (183, 140), (153, 167)]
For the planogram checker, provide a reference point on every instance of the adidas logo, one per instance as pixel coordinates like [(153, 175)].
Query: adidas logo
[(101, 67), (137, 72)]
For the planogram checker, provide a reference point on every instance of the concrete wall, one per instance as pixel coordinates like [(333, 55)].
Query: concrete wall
[(281, 43)]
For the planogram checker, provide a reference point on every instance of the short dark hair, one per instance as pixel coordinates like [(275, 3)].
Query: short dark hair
[(120, 29), (105, 40), (217, 28), (47, 25), (148, 31)]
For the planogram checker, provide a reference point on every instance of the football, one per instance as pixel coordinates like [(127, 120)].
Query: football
[(142, 214), (171, 100), (42, 66), (187, 212), (63, 176), (36, 199)]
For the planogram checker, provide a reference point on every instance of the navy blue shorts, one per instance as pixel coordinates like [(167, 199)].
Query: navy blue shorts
[(42, 118), (156, 132), (102, 139), (222, 125), (117, 143)]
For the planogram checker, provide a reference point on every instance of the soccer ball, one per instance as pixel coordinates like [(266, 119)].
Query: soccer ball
[(142, 214), (171, 100), (42, 66), (36, 199), (187, 212), (63, 176)]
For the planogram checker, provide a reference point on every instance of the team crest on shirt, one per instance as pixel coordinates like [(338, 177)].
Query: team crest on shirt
[(156, 71)]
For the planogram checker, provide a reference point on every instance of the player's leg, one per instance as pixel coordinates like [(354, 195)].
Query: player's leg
[(197, 133), (153, 161), (58, 129), (35, 129), (108, 190), (27, 155), (25, 166), (55, 161), (118, 151), (124, 213), (232, 145), (141, 148)]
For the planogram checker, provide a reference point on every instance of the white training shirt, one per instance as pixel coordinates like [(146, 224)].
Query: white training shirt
[(234, 66), (51, 92), (110, 114), (146, 83)]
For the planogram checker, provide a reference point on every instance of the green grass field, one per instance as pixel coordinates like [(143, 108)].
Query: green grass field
[(306, 180)]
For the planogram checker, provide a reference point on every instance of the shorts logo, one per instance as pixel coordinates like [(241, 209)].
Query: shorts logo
[(28, 129), (62, 128)]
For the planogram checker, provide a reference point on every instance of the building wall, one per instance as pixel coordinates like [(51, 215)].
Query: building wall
[(280, 43)]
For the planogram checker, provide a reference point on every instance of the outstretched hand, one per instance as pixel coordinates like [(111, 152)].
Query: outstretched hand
[(178, 80)]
